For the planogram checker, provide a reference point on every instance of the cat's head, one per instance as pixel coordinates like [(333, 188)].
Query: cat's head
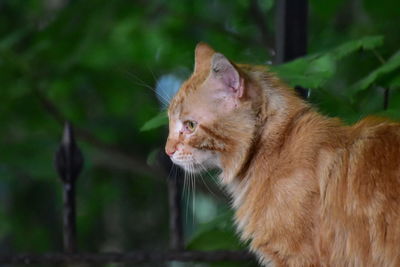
[(209, 117)]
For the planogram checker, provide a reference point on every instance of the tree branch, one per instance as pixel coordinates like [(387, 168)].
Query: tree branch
[(121, 159)]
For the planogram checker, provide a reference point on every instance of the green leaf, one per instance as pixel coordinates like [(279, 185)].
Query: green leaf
[(158, 121), (395, 82), (366, 43), (391, 65), (309, 72), (315, 70), (216, 234), (332, 104), (215, 239)]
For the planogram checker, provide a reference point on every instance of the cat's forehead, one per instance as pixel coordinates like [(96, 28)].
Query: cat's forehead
[(175, 107), (179, 107), (185, 94)]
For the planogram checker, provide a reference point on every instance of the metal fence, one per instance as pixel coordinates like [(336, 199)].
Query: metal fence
[(291, 42)]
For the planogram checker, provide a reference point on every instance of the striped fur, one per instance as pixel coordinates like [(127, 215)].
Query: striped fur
[(307, 190)]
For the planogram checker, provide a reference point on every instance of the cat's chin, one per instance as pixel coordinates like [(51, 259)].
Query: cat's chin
[(192, 168), (203, 162)]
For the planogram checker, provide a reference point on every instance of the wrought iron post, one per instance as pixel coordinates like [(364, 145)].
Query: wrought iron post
[(175, 208), (174, 183), (69, 163), (385, 98), (291, 33)]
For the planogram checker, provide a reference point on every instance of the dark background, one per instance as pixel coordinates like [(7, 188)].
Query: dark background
[(97, 64)]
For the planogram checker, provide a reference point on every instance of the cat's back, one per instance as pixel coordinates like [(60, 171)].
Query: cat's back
[(374, 147), (361, 198)]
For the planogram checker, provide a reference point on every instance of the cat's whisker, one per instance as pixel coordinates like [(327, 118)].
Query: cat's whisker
[(207, 186), (136, 80), (193, 192), (164, 99), (152, 72), (190, 199), (186, 194), (140, 82), (184, 184), (204, 180), (217, 181), (171, 172)]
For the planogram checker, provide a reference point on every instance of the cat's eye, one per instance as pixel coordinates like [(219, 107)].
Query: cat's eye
[(190, 126)]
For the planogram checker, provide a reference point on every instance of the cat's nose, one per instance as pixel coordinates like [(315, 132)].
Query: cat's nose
[(171, 146), (170, 151)]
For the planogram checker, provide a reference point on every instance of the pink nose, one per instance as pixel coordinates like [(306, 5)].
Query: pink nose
[(169, 151)]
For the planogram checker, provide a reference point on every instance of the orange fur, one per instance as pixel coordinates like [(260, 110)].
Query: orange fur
[(307, 190)]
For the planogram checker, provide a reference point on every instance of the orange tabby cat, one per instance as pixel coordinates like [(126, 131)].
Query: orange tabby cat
[(307, 190)]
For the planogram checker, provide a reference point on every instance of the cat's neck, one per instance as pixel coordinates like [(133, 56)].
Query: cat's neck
[(277, 108)]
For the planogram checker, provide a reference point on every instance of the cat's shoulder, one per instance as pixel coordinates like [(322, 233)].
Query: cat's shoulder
[(375, 140), (376, 127)]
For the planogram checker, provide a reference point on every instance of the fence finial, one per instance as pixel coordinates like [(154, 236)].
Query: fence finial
[(68, 158), (69, 164)]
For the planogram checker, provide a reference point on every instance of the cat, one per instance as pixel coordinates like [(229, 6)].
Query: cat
[(306, 189)]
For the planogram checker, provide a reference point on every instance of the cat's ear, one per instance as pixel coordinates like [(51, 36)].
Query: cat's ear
[(223, 70), (203, 54)]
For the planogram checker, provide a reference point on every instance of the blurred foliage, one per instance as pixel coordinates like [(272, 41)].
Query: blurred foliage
[(313, 71), (158, 121), (96, 63)]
